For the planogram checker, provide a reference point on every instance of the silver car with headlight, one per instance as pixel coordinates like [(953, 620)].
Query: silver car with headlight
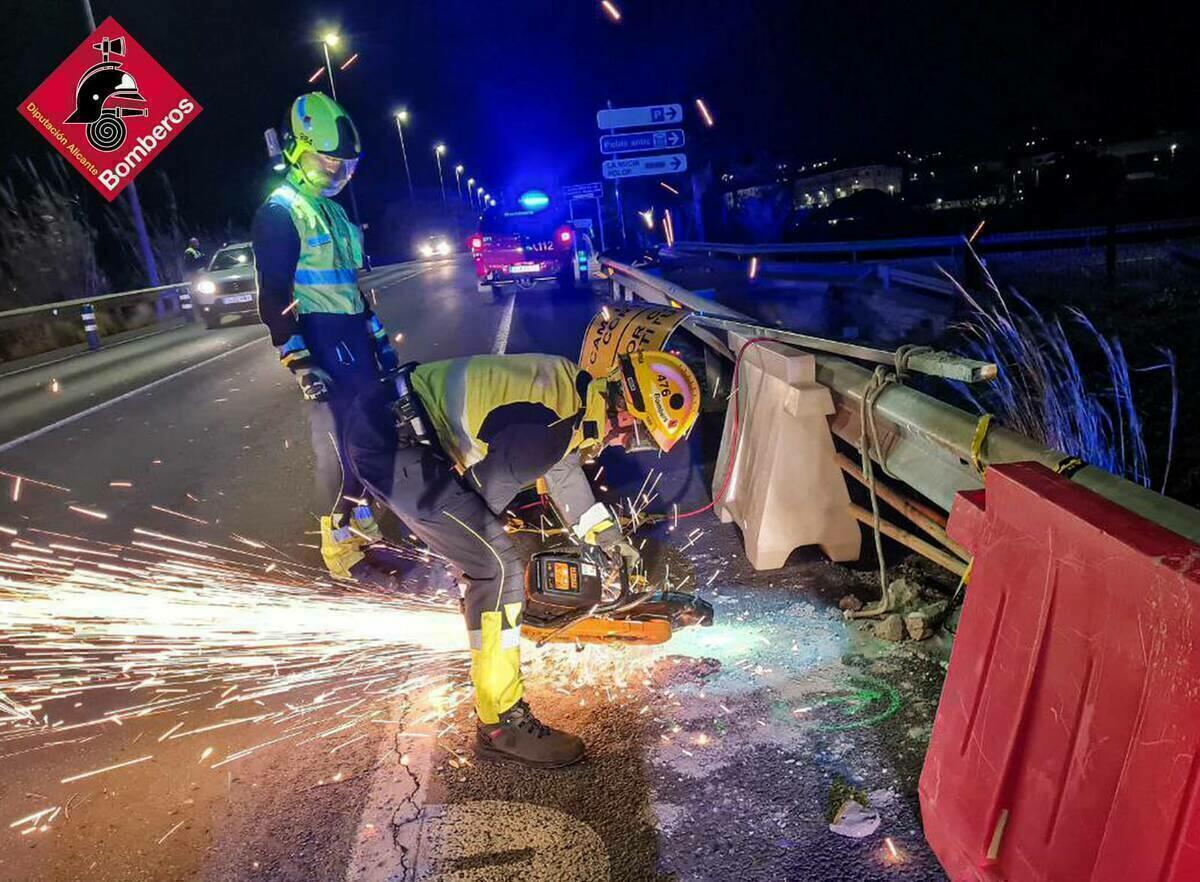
[(229, 285)]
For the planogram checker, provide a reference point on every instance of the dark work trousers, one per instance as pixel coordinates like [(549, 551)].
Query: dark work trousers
[(342, 346), (418, 484), (336, 479)]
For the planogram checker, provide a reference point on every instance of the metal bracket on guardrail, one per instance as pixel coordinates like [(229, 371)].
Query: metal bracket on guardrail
[(932, 362)]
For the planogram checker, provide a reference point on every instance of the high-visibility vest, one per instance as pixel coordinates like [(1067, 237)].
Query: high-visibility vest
[(459, 393), (330, 253)]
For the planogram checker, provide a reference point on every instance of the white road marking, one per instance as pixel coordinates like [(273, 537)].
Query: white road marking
[(388, 837), (37, 433), (502, 330)]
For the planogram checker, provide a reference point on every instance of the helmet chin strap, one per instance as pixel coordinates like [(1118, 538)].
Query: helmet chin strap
[(296, 178)]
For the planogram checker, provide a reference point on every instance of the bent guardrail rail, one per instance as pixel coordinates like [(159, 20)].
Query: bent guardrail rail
[(925, 442)]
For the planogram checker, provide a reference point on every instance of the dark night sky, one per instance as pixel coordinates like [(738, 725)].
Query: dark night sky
[(513, 87)]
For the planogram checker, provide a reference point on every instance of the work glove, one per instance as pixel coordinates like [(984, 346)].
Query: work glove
[(314, 383), (626, 552)]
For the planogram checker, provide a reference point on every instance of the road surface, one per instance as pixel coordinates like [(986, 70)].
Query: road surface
[(305, 739)]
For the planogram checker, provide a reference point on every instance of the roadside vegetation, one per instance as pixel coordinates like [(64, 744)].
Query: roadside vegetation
[(58, 244), (1065, 379)]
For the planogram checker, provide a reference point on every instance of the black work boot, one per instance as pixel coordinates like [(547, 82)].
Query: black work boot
[(520, 738)]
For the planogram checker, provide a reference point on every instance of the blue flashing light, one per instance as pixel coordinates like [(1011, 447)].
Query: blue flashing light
[(533, 200)]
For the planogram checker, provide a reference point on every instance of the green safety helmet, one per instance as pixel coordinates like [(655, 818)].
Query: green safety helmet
[(320, 144)]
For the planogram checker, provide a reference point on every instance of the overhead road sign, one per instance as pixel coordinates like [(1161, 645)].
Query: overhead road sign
[(641, 166), (625, 117), (594, 190), (635, 142)]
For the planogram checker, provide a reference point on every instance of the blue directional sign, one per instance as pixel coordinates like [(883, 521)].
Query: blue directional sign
[(635, 142), (594, 190), (641, 166), (626, 117)]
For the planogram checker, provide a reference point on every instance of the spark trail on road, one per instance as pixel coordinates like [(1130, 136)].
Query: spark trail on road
[(206, 636)]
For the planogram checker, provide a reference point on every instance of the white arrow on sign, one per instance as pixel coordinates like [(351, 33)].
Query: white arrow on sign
[(653, 115), (641, 166)]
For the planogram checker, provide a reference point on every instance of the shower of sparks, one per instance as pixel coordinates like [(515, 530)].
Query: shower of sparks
[(112, 768), (198, 635), (162, 650), (88, 512), (178, 514)]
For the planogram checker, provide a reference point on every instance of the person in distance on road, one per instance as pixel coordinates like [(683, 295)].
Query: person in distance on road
[(193, 258), (307, 254), (454, 441)]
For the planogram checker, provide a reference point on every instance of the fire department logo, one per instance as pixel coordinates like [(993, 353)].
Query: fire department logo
[(109, 108)]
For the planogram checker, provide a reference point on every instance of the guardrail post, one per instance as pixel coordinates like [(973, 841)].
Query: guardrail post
[(88, 315), (185, 304)]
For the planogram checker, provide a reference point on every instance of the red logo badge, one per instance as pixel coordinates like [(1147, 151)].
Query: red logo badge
[(109, 108)]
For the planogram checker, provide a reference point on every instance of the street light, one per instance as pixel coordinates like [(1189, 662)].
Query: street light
[(470, 191), (401, 119), (438, 151), (458, 170)]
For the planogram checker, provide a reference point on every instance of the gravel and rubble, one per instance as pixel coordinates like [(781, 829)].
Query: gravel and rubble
[(716, 756)]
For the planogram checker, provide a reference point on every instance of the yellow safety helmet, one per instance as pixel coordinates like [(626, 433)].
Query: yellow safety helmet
[(661, 392)]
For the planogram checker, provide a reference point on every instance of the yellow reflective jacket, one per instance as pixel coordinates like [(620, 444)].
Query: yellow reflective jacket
[(507, 420)]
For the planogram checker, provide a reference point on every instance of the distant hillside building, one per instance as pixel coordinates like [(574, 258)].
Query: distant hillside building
[(814, 191)]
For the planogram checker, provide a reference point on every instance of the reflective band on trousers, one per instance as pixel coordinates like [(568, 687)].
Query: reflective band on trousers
[(509, 638)]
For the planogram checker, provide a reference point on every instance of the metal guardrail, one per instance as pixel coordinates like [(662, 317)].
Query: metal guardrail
[(987, 242), (925, 442), (56, 317), (85, 301)]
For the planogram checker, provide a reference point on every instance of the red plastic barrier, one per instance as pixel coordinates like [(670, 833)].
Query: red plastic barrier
[(1067, 741)]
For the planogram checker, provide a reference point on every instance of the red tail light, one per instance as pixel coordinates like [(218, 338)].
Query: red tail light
[(476, 243), (565, 235)]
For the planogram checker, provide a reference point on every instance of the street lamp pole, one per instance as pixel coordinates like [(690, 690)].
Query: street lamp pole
[(331, 39), (135, 204), (470, 192), (401, 118), (325, 41), (437, 153), (458, 170)]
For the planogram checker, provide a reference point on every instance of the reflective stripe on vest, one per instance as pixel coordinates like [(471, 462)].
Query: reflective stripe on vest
[(330, 253)]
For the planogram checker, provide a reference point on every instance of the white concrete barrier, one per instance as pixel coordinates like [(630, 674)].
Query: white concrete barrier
[(785, 490)]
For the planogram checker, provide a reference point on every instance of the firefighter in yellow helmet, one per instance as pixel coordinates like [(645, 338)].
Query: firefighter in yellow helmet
[(456, 440), (307, 256)]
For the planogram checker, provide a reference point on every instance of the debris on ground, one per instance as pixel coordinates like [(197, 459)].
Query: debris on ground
[(850, 603), (855, 821), (890, 628), (922, 623)]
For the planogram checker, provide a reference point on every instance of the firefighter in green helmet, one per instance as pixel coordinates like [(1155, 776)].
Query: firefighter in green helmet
[(307, 254)]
